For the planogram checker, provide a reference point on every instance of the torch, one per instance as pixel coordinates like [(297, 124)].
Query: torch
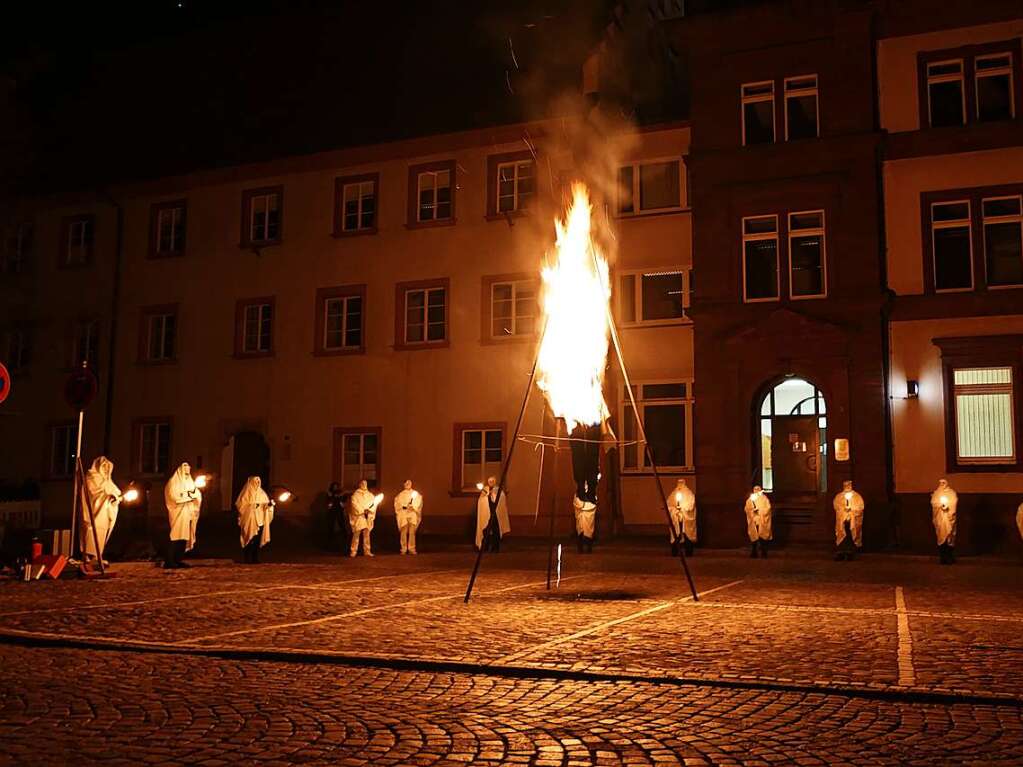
[(848, 501)]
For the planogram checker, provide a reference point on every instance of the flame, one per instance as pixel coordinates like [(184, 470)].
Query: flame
[(131, 495), (577, 290)]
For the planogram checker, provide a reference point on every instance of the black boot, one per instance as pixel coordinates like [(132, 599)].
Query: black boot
[(753, 550), (589, 545), (763, 549), (674, 547), (579, 539), (951, 554), (171, 555), (179, 553), (689, 547)]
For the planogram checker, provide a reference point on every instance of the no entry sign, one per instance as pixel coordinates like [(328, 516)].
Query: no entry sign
[(80, 388), (5, 382)]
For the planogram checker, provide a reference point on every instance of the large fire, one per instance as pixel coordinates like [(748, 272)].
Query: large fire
[(573, 354)]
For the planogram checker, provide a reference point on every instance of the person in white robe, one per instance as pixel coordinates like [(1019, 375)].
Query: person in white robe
[(184, 501), (1019, 520), (682, 503), (408, 513), (944, 501), (104, 501), (491, 516), (758, 522), (255, 513), (585, 523), (362, 513), (848, 506)]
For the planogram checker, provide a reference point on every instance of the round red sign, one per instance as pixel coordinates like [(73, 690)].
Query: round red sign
[(5, 382), (80, 388)]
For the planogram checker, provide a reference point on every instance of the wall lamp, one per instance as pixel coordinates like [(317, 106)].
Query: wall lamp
[(912, 389)]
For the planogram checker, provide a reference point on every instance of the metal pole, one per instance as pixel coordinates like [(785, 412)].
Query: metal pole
[(507, 461), (554, 502), (80, 471), (77, 495)]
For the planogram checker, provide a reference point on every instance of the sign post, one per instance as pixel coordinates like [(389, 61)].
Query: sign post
[(79, 391)]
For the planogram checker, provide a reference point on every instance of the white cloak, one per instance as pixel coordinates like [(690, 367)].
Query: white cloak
[(183, 500), (104, 501), (851, 511), (683, 512), (362, 511), (758, 518), (408, 508), (1019, 519), (483, 514), (585, 516), (944, 519), (254, 511)]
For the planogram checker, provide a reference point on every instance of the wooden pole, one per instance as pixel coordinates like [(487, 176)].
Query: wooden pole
[(87, 509), (76, 492), (554, 502)]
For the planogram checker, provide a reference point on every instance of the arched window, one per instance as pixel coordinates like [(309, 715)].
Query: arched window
[(791, 396)]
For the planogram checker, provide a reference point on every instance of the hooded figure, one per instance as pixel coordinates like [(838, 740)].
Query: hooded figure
[(758, 521), (408, 512), (491, 516), (683, 517), (848, 506), (943, 515), (362, 513), (585, 522), (255, 513), (183, 501), (1019, 520), (104, 501), (335, 512)]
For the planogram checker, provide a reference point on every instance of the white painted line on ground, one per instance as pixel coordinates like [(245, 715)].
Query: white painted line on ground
[(796, 608), (155, 600), (606, 624), (907, 676), (363, 611)]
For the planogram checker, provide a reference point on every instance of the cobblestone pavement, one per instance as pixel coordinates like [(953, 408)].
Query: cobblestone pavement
[(888, 660)]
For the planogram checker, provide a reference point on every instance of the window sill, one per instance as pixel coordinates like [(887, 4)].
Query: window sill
[(431, 224), (422, 346), (259, 244), (986, 468), (508, 340), (681, 322), (252, 355), (341, 234), (164, 255), (651, 213), (339, 352), (157, 363), (508, 216)]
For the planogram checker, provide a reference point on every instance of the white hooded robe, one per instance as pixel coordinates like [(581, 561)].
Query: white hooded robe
[(483, 513), (183, 501), (851, 510), (254, 511), (585, 516), (758, 517), (408, 508), (1019, 520), (683, 511), (943, 515), (362, 511), (104, 501)]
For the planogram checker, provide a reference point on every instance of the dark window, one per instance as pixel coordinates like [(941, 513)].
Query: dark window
[(758, 113), (513, 308), (425, 315), (482, 455), (945, 94), (950, 235), (78, 239), (359, 206), (662, 296), (516, 185), (801, 108), (760, 258), (1003, 240), (161, 336), (806, 254), (266, 218), (360, 458), (19, 350), (169, 229), (434, 196), (258, 328), (626, 197), (342, 324), (86, 344), (62, 450), (19, 247), (154, 448), (667, 411), (994, 87), (659, 185)]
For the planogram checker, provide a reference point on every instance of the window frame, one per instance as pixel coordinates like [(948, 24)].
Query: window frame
[(637, 169), (137, 425), (1010, 71), (239, 333), (777, 236), (458, 490), (799, 93), (771, 97), (323, 295), (338, 454), (963, 352), (147, 315), (401, 291), (18, 363), (689, 438), (487, 304), (248, 197), (823, 231), (78, 327), (1007, 219), (340, 184), (494, 162), (619, 295), (17, 254), (50, 453), (412, 220), (156, 211), (969, 55), (64, 261)]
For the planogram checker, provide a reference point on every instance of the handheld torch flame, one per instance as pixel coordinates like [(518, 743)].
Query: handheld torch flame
[(200, 481), (573, 356), (131, 495)]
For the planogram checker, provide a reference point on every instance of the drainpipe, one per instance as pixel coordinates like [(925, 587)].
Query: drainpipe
[(115, 301)]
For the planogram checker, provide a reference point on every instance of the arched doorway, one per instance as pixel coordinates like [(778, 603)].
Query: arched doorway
[(246, 455), (793, 424)]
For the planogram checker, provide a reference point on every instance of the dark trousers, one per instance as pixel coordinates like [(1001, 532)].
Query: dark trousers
[(175, 552), (847, 549), (492, 534), (251, 549)]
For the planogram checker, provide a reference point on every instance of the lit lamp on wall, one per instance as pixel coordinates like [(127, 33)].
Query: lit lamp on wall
[(912, 389)]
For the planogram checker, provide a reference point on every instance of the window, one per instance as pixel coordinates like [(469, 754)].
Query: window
[(994, 87), (262, 216), (667, 412), (952, 247), (758, 113), (86, 344), (357, 456), (478, 454), (422, 314), (760, 258), (19, 247), (511, 184), (168, 229), (514, 308), (807, 263), (658, 296), (1003, 240), (63, 441), (340, 320), (431, 193), (19, 350), (801, 110), (649, 187), (152, 446), (356, 204), (946, 96), (159, 334), (254, 332), (984, 415), (78, 239)]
